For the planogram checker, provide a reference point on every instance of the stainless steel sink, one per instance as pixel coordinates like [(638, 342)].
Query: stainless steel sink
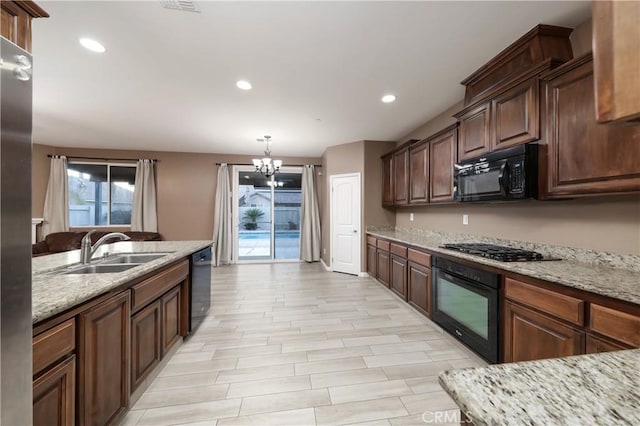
[(100, 269), (132, 258)]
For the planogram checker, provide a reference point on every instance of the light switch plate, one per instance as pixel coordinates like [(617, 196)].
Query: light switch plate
[(465, 219), (411, 217)]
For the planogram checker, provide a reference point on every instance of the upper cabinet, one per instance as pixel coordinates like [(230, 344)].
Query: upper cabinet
[(502, 102), (15, 21), (442, 155), (387, 180), (616, 50), (401, 176), (584, 157), (419, 173)]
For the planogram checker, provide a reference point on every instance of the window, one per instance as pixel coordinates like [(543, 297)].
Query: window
[(100, 194)]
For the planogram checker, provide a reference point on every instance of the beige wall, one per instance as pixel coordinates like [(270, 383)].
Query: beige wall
[(186, 185), (437, 123), (581, 39)]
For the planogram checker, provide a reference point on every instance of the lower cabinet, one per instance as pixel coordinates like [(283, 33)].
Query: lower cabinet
[(170, 304), (383, 262), (372, 269), (530, 336), (596, 345), (54, 395), (398, 283), (103, 352), (146, 348), (419, 287)]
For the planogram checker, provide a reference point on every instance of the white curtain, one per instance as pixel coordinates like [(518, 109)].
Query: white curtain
[(56, 200), (310, 237), (222, 219), (144, 216)]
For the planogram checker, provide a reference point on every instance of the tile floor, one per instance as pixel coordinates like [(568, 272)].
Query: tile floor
[(292, 344)]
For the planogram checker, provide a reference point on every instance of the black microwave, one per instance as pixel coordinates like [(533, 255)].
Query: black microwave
[(508, 174)]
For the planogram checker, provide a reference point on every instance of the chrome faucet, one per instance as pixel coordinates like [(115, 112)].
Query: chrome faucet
[(87, 251)]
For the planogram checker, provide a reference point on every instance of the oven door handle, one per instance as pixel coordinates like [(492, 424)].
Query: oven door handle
[(501, 178)]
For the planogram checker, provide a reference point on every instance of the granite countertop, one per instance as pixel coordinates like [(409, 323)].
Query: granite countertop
[(596, 389), (53, 293), (606, 274)]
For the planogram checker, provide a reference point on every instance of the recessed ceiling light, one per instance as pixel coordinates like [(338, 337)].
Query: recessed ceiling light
[(92, 45), (243, 84), (387, 99)]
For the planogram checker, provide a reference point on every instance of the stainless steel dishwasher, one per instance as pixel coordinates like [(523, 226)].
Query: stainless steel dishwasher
[(200, 301)]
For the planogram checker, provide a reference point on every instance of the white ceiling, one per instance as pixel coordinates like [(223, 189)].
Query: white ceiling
[(167, 80)]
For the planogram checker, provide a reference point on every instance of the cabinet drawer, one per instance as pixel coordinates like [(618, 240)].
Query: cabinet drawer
[(384, 245), (53, 344), (615, 324), (564, 307), (399, 250), (371, 240), (154, 287), (419, 257)]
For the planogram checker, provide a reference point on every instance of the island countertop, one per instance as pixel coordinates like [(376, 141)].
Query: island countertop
[(595, 389), (600, 273), (53, 293)]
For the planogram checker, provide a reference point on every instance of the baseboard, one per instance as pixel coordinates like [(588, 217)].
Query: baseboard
[(363, 274), (326, 268)]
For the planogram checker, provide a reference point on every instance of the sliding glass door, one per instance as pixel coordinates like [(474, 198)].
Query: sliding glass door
[(266, 214)]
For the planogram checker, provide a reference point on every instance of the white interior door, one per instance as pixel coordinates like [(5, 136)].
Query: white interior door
[(345, 223)]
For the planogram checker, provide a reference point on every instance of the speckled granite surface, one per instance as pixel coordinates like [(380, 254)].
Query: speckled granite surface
[(611, 275), (53, 293), (598, 389)]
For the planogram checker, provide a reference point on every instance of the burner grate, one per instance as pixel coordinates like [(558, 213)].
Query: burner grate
[(495, 252)]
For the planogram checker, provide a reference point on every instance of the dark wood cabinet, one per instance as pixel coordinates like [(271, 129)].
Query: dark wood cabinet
[(54, 395), (387, 180), (419, 173), (515, 115), (401, 177), (15, 21), (398, 282), (584, 157), (616, 50), (596, 345), (146, 350), (372, 265), (419, 287), (442, 159), (170, 304), (529, 336), (103, 353), (474, 136), (383, 262)]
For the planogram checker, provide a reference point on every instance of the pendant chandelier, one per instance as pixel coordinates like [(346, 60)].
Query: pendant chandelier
[(266, 166)]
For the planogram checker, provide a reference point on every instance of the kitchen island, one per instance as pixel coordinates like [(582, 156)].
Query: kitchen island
[(595, 389), (100, 338)]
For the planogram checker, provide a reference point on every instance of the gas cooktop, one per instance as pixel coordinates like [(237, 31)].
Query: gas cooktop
[(495, 252)]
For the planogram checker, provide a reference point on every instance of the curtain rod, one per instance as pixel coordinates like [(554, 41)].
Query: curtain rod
[(283, 165), (97, 158)]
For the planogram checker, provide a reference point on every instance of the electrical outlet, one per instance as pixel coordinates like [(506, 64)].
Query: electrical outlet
[(465, 219), (411, 217)]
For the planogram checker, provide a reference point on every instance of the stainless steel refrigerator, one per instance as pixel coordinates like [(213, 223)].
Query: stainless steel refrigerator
[(15, 236)]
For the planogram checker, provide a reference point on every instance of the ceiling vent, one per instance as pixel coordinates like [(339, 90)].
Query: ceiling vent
[(184, 5)]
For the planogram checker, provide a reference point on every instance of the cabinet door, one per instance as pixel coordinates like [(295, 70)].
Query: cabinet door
[(419, 174), (475, 133), (442, 159), (54, 395), (16, 24), (515, 116), (597, 345), (170, 319), (383, 266), (145, 343), (387, 180), (399, 276), (419, 286), (104, 361), (401, 177), (529, 335), (586, 157), (372, 269)]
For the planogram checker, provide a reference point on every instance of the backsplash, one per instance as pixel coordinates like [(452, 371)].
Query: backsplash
[(622, 261)]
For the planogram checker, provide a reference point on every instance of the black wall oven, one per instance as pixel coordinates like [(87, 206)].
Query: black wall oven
[(466, 303), (508, 174)]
